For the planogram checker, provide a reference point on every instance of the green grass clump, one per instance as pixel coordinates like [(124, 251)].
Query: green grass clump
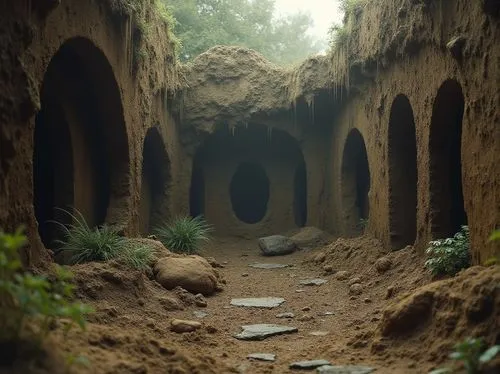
[(27, 298), (184, 234), (449, 256), (104, 243)]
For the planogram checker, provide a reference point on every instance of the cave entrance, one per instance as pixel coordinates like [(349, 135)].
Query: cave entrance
[(402, 174), (355, 183), (445, 143), (155, 178), (300, 198), (80, 157), (197, 189), (249, 191)]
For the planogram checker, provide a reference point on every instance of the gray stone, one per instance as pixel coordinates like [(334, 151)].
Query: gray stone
[(262, 331), (259, 302), (276, 245), (313, 282), (319, 333), (285, 315), (329, 369), (308, 365), (268, 266), (262, 356), (200, 314)]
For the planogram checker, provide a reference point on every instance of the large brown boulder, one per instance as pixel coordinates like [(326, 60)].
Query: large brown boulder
[(192, 273)]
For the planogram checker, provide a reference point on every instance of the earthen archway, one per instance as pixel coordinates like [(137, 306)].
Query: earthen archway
[(249, 180), (80, 157), (402, 174), (445, 144), (355, 183), (155, 180)]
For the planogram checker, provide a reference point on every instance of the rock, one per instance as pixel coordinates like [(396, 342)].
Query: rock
[(383, 264), (367, 300), (262, 356), (390, 292), (192, 273), (262, 331), (309, 237), (319, 333), (170, 303), (181, 326), (356, 289), (276, 245), (306, 309), (329, 369), (305, 318), (354, 280), (342, 275), (328, 269), (259, 302), (200, 314), (327, 314), (245, 275), (308, 365), (313, 282), (199, 300), (320, 257), (455, 46), (285, 315), (268, 266), (300, 290)]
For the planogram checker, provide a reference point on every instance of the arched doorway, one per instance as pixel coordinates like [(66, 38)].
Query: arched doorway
[(80, 156), (355, 183), (445, 144), (402, 174), (155, 179), (249, 191)]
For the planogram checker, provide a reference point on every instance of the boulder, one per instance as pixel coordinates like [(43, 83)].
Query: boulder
[(192, 273), (309, 237), (276, 245)]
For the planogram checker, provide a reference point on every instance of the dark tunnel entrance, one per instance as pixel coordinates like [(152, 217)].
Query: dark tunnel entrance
[(355, 183), (80, 156), (249, 191), (402, 174), (197, 189), (447, 202), (300, 198), (155, 178)]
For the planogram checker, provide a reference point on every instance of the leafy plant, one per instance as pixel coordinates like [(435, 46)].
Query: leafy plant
[(495, 259), (472, 354), (184, 234), (25, 297), (90, 244), (138, 255), (495, 235), (349, 6), (339, 36), (449, 256)]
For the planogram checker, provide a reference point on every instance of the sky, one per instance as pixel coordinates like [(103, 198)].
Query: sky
[(323, 12)]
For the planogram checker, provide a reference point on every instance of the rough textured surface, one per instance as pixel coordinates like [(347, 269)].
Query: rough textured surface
[(276, 245), (263, 331), (330, 369), (259, 302), (310, 237), (192, 273)]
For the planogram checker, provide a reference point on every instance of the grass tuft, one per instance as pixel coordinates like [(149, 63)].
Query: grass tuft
[(184, 234)]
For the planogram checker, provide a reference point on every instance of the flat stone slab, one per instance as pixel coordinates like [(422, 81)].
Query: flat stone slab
[(258, 265), (285, 315), (308, 365), (319, 333), (200, 314), (259, 302), (263, 330), (313, 282), (262, 356), (353, 369)]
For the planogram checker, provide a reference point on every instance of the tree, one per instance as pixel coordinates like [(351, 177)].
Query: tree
[(202, 24)]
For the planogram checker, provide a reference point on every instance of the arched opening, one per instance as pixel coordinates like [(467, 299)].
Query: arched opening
[(197, 189), (80, 156), (249, 191), (155, 178), (402, 174), (355, 183), (445, 143), (300, 198)]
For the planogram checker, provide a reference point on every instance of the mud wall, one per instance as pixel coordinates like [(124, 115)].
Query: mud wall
[(77, 100)]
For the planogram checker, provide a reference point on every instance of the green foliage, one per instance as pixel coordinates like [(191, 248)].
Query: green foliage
[(184, 234), (27, 297), (495, 235), (339, 36), (449, 256), (202, 24), (349, 6), (471, 354), (102, 243)]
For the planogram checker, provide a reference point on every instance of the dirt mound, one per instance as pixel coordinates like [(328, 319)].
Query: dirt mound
[(428, 322)]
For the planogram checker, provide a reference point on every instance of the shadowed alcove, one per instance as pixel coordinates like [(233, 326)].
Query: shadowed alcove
[(80, 157)]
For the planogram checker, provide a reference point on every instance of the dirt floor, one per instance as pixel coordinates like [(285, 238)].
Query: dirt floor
[(372, 324)]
